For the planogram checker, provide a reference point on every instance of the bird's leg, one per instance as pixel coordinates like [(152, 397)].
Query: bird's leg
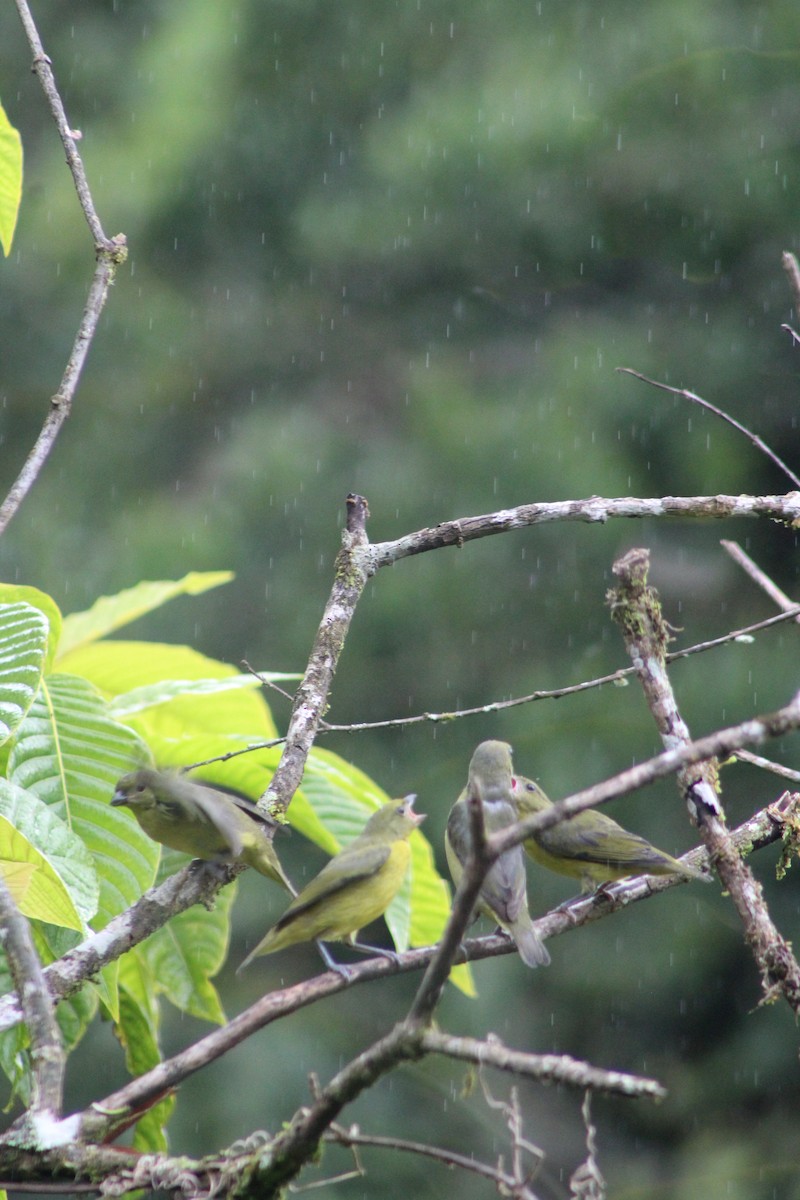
[(330, 962), (383, 951)]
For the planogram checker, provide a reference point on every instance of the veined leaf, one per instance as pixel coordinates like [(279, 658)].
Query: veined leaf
[(23, 643), (185, 954), (70, 754), (21, 594), (112, 612), (64, 885), (137, 1029), (120, 667), (142, 698)]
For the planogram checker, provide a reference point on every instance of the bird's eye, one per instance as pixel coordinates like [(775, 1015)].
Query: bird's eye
[(140, 787)]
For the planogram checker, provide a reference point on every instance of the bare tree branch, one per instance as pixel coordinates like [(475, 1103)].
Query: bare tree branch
[(792, 269), (353, 1136), (456, 533), (69, 137), (110, 252), (350, 578), (637, 610), (545, 1068), (766, 764), (684, 394), (758, 576), (47, 1049)]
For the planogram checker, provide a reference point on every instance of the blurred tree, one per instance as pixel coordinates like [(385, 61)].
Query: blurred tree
[(399, 250)]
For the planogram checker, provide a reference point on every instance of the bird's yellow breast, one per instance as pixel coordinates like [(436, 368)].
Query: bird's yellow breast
[(336, 916)]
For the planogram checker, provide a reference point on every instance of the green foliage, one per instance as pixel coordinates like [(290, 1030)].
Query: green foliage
[(401, 252), (74, 861), (23, 638), (62, 887), (10, 180)]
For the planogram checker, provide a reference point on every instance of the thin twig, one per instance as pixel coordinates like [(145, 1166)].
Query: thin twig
[(684, 394), (743, 559), (544, 1068), (448, 1158), (110, 252), (512, 1115), (766, 764), (586, 1181), (792, 269), (69, 136), (615, 678), (61, 402)]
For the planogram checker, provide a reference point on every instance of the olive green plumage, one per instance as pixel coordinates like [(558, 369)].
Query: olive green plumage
[(503, 896), (592, 847), (354, 888), (200, 821)]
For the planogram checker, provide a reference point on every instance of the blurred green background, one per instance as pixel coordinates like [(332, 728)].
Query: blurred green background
[(399, 248)]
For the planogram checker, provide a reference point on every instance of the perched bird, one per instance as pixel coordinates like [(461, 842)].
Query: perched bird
[(592, 847), (200, 821), (503, 895), (353, 889)]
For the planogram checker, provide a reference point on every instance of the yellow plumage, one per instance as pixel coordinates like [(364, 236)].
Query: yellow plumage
[(200, 821), (354, 888)]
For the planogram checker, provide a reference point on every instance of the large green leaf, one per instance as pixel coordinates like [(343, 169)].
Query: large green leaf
[(21, 594), (188, 951), (141, 698), (23, 643), (62, 888), (137, 1029), (69, 753), (192, 728), (10, 180), (109, 613), (119, 667)]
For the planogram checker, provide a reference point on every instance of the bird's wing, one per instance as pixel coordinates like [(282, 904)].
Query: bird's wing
[(599, 839), (351, 865), (252, 810), (217, 811)]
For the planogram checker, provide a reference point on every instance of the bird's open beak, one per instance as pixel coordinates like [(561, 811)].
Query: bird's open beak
[(417, 818)]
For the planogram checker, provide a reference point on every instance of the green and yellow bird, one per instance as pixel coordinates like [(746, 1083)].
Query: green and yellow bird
[(200, 821), (353, 889), (503, 896), (592, 847)]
